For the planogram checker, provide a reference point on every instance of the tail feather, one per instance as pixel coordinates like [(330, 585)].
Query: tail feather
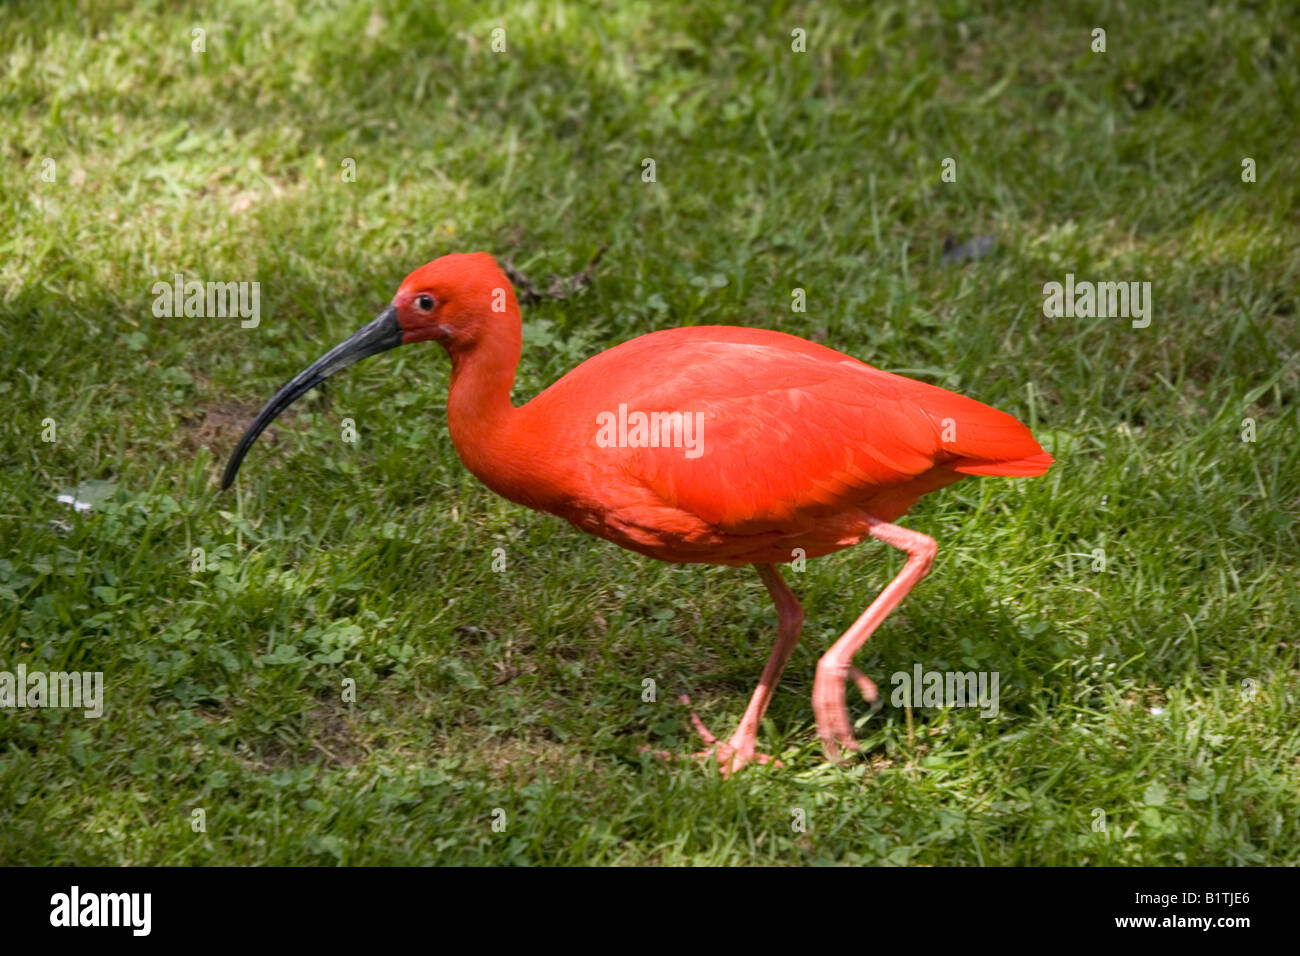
[(1026, 467), (982, 440)]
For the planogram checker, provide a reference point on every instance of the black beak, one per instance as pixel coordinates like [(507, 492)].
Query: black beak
[(378, 336)]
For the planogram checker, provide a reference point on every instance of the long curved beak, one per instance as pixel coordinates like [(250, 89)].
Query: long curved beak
[(378, 336)]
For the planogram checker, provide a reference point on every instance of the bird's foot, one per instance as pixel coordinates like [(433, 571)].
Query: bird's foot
[(833, 724), (866, 686), (733, 754), (730, 756)]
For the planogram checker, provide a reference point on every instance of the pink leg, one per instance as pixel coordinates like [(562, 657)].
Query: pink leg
[(739, 750), (836, 665)]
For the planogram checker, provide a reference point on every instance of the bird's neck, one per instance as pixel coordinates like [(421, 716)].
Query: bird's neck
[(482, 375), (485, 426)]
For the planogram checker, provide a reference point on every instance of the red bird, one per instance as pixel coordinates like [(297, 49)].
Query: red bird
[(712, 444)]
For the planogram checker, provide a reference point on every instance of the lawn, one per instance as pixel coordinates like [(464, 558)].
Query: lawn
[(1139, 602)]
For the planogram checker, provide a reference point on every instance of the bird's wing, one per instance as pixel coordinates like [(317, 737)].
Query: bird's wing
[(783, 434)]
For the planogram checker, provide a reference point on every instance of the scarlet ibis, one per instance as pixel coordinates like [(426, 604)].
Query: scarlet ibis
[(712, 444)]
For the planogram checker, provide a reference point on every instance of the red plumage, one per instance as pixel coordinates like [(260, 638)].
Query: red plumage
[(799, 445), (776, 448)]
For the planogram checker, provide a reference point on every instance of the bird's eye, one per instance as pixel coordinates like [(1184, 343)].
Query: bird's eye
[(425, 302)]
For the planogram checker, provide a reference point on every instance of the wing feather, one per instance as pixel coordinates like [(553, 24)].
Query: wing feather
[(791, 431)]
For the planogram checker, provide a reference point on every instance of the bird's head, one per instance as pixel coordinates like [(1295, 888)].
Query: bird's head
[(455, 300), (458, 300)]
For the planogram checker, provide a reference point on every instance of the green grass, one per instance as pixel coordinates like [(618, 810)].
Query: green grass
[(1122, 690)]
